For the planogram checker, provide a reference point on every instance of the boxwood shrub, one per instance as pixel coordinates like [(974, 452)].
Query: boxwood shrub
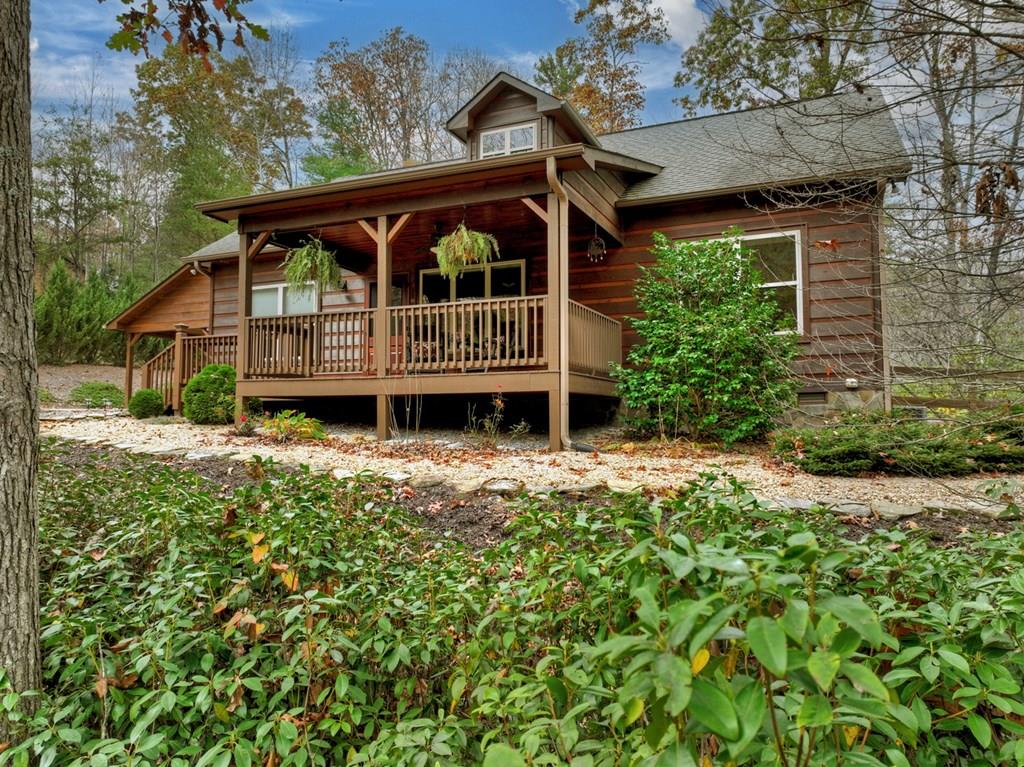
[(210, 396), (146, 403), (863, 443)]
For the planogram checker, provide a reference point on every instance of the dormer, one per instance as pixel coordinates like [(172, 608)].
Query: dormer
[(510, 116)]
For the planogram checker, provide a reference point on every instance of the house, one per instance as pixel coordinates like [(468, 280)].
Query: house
[(574, 214)]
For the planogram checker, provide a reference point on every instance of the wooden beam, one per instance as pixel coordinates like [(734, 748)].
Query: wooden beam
[(381, 329), (398, 227), (261, 242), (245, 245), (603, 220), (129, 365), (541, 213), (342, 213), (369, 230)]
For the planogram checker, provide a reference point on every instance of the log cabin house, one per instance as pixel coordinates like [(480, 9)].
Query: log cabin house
[(574, 214)]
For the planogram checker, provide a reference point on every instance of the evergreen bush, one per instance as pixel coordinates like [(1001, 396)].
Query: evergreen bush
[(97, 394), (210, 396), (711, 363), (864, 443), (146, 403)]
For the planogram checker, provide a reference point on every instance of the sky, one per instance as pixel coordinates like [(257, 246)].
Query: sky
[(69, 37)]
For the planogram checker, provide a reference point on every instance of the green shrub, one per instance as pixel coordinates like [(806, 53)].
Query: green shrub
[(711, 364), (289, 425), (146, 403), (210, 396), (861, 443), (97, 394), (46, 397), (320, 622)]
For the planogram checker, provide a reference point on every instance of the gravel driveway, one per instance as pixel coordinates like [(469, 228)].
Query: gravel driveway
[(454, 459)]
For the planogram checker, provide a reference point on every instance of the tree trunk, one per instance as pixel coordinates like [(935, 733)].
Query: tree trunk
[(19, 571)]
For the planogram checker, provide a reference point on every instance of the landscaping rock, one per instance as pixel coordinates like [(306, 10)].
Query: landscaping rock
[(199, 455), (941, 506), (503, 486), (993, 510), (888, 510), (421, 481), (398, 477), (342, 474), (796, 504), (466, 485), (846, 508), (581, 488)]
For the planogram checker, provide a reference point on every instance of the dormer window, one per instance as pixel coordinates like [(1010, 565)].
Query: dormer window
[(511, 140)]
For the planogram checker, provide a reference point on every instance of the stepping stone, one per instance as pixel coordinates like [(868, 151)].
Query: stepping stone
[(796, 504), (583, 488), (199, 455), (422, 481), (466, 485), (503, 486), (846, 508), (398, 477), (888, 510), (993, 510), (624, 486), (342, 474), (941, 506)]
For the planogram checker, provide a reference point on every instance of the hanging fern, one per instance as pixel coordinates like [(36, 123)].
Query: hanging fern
[(311, 263), (463, 247)]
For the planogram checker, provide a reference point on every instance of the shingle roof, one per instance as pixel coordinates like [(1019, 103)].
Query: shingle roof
[(225, 246), (832, 137)]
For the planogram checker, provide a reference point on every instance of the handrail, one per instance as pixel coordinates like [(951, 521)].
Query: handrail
[(310, 344), (158, 373), (479, 334), (595, 341)]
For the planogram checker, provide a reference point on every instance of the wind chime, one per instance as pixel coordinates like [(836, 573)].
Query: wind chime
[(596, 249)]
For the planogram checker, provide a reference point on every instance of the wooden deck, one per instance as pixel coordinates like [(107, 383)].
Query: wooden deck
[(465, 347)]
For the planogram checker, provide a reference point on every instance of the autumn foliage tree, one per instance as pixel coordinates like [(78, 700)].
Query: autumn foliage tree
[(599, 72)]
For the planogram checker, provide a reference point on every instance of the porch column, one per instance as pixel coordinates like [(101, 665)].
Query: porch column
[(180, 331), (129, 365), (381, 330), (555, 328), (245, 243)]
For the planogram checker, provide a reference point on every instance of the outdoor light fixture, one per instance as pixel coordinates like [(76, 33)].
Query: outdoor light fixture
[(596, 249)]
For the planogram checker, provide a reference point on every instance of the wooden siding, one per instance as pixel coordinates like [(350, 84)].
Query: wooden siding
[(842, 335), (510, 107), (186, 300)]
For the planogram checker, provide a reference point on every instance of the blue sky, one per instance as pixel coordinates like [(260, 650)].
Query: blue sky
[(69, 52)]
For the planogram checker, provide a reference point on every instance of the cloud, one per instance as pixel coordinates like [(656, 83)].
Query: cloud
[(685, 20), (59, 78), (33, 45)]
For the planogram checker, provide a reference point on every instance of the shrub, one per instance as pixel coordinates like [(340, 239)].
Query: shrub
[(864, 443), (146, 403), (289, 425), (319, 623), (97, 394), (210, 396), (711, 364)]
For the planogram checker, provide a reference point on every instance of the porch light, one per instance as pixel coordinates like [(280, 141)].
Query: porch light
[(596, 249)]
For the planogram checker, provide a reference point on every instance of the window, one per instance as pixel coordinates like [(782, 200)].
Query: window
[(492, 280), (511, 140), (777, 257), (275, 300)]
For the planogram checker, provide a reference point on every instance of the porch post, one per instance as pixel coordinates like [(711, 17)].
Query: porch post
[(180, 331), (554, 337), (129, 365), (245, 241), (381, 330)]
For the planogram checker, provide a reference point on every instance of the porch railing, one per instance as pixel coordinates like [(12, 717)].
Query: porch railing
[(595, 341), (200, 351), (499, 333), (158, 373), (304, 345)]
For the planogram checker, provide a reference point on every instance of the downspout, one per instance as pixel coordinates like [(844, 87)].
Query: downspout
[(563, 300)]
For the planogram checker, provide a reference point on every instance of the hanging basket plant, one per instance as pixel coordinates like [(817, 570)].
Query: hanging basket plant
[(311, 262), (462, 248)]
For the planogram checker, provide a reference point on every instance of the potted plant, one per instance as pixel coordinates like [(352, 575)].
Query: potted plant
[(463, 247), (311, 262)]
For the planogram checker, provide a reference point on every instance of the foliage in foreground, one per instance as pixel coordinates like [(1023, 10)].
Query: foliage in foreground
[(97, 394), (146, 403), (288, 425), (863, 442), (304, 621), (210, 396), (711, 364)]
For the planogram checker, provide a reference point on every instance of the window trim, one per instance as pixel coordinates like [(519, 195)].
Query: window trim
[(281, 287), (797, 236), (506, 130), (486, 268)]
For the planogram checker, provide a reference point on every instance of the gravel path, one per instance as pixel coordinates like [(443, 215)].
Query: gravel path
[(451, 458)]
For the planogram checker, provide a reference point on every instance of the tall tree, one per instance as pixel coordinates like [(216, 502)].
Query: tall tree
[(19, 426), (19, 567), (608, 94), (752, 52)]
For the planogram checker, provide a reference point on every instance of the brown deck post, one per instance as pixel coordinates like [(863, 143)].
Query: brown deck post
[(553, 321), (245, 242), (129, 365), (180, 331), (381, 331)]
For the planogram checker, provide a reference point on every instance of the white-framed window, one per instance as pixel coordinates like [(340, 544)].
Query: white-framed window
[(777, 257), (279, 299), (495, 279), (511, 139)]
